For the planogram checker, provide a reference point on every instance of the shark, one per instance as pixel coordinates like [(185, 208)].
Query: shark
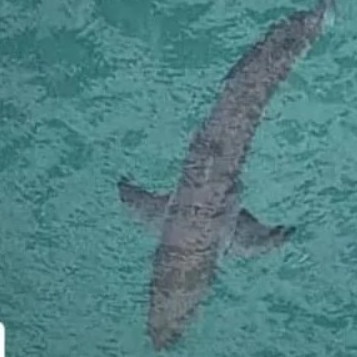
[(203, 214)]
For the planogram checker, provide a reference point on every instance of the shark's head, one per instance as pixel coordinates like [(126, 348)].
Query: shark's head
[(180, 279), (167, 316), (164, 335)]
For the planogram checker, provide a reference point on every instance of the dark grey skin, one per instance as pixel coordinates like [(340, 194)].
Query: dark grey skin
[(203, 211)]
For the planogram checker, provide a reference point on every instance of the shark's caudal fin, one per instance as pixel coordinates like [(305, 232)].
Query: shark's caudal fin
[(328, 4), (328, 8), (148, 206), (252, 237)]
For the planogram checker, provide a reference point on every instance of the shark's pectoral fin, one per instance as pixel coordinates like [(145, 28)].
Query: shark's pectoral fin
[(252, 237), (148, 206)]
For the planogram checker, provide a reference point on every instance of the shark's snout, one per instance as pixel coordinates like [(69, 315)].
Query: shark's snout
[(163, 336)]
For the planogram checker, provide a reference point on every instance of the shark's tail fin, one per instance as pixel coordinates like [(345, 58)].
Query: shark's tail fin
[(327, 3), (327, 9)]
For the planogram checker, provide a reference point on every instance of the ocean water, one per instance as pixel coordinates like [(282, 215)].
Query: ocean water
[(92, 90)]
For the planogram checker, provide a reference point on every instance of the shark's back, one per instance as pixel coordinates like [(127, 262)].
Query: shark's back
[(225, 136), (219, 147)]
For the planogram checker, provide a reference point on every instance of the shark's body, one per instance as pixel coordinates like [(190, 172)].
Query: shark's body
[(198, 215)]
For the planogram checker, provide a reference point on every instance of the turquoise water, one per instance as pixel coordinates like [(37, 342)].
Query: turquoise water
[(91, 90)]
